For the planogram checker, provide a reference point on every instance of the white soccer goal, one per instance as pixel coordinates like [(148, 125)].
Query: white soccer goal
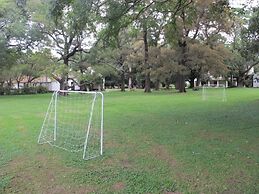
[(74, 122), (214, 92)]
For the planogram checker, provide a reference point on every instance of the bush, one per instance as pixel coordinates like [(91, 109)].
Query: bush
[(25, 90), (41, 89), (15, 92), (196, 88), (2, 90), (7, 90), (29, 90), (34, 90)]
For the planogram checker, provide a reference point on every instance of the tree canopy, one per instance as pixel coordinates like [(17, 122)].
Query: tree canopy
[(136, 43)]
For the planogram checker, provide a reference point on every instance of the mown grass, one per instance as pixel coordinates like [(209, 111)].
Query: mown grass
[(154, 143)]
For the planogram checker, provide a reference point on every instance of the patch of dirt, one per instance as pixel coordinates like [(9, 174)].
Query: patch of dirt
[(118, 186), (162, 154), (64, 189), (118, 159), (234, 181), (111, 144), (208, 135), (108, 162), (41, 175), (22, 128), (126, 164), (124, 160)]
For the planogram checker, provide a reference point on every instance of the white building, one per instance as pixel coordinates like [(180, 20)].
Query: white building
[(45, 81), (256, 81), (213, 81)]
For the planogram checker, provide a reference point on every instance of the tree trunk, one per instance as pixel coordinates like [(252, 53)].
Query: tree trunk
[(193, 75), (157, 85), (147, 83), (130, 83), (176, 83), (146, 64), (180, 79), (122, 81), (130, 79), (65, 78), (182, 63), (240, 82), (62, 84), (192, 82)]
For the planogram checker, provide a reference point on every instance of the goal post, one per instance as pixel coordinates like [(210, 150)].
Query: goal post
[(74, 122), (214, 92)]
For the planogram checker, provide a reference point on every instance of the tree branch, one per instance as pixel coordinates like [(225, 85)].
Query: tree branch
[(250, 67)]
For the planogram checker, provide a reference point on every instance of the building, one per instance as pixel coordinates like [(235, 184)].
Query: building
[(256, 80), (45, 81), (213, 81)]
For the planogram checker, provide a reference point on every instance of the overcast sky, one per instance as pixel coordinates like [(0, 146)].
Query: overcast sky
[(238, 3)]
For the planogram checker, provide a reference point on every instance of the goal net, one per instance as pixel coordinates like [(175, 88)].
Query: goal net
[(214, 92), (74, 122)]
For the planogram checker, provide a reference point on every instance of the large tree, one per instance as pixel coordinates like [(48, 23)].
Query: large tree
[(245, 45), (18, 35), (149, 17), (201, 21), (68, 25)]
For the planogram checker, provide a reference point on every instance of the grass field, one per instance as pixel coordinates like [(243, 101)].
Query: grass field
[(162, 142)]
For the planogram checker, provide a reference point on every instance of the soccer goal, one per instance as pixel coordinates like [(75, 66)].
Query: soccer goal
[(214, 92), (74, 122)]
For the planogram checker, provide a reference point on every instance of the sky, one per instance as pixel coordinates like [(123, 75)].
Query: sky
[(238, 3)]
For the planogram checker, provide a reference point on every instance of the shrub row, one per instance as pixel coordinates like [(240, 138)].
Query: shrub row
[(25, 90)]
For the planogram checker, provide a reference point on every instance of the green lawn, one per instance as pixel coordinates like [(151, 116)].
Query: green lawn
[(163, 142)]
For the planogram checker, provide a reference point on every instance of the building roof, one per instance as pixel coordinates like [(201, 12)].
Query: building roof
[(42, 79)]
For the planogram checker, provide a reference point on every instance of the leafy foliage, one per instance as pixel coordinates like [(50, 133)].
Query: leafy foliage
[(141, 43)]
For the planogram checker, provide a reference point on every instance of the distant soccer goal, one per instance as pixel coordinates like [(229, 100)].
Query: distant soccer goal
[(74, 122), (214, 92)]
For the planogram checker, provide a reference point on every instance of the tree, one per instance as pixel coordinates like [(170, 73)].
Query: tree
[(67, 25), (18, 36), (114, 58), (10, 60), (202, 59), (245, 45), (201, 21), (16, 73), (149, 17), (94, 67), (35, 64)]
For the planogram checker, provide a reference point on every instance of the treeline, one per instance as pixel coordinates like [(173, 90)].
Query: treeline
[(142, 44)]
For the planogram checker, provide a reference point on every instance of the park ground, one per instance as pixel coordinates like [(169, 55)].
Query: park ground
[(163, 142)]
